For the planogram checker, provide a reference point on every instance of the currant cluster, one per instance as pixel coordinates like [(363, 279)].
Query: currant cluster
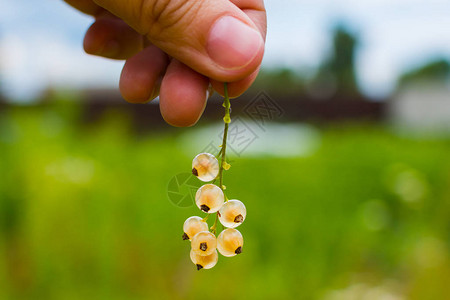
[(210, 198)]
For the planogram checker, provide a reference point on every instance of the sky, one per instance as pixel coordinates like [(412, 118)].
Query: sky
[(41, 42)]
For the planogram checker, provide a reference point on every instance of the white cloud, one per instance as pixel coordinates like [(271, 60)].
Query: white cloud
[(48, 59), (45, 48)]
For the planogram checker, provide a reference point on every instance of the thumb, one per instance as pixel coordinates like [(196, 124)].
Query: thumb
[(213, 37)]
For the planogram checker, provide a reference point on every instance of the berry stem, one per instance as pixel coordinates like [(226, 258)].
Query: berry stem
[(214, 227), (220, 152), (223, 150), (226, 120)]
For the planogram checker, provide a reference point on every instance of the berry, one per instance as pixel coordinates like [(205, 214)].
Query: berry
[(205, 166), (204, 261), (230, 242), (209, 198), (192, 226), (232, 213), (204, 243)]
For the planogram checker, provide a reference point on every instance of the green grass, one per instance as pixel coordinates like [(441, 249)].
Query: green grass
[(84, 214)]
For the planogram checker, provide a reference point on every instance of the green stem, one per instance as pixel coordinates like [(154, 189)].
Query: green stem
[(214, 227), (218, 154), (226, 120), (223, 150)]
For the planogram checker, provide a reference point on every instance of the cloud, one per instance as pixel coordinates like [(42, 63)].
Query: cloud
[(49, 59), (45, 49)]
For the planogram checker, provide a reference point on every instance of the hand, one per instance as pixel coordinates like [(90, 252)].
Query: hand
[(176, 48)]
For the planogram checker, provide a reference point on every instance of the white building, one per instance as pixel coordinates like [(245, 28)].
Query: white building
[(423, 108)]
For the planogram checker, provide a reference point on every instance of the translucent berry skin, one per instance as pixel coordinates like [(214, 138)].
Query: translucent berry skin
[(204, 261), (209, 198), (232, 213), (230, 242), (205, 166), (204, 243), (192, 226)]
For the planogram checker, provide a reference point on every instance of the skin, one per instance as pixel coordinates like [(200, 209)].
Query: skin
[(163, 43)]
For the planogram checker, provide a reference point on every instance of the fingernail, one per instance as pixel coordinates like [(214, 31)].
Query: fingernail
[(233, 44)]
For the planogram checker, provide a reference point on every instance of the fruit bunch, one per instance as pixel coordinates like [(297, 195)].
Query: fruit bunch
[(211, 199)]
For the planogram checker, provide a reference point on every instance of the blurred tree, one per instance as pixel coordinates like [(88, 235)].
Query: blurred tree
[(336, 76), (437, 72), (280, 81)]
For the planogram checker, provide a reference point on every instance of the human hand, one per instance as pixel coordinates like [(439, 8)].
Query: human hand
[(177, 48)]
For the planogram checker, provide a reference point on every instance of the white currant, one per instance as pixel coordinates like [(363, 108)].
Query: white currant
[(232, 213), (204, 261), (192, 226), (209, 198), (230, 242), (204, 243), (205, 166)]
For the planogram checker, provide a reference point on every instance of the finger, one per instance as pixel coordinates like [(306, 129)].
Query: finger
[(183, 95), (139, 81), (258, 16), (112, 38), (109, 36), (213, 37)]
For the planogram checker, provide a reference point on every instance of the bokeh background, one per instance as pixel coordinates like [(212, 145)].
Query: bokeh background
[(340, 151)]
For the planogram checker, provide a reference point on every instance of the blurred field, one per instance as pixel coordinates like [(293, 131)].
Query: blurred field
[(84, 214)]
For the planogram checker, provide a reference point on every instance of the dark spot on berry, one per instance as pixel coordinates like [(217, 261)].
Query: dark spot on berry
[(204, 207), (195, 172), (199, 267), (185, 237), (239, 219), (203, 246), (238, 250)]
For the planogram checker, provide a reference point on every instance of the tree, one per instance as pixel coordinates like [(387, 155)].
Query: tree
[(337, 73), (437, 71)]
